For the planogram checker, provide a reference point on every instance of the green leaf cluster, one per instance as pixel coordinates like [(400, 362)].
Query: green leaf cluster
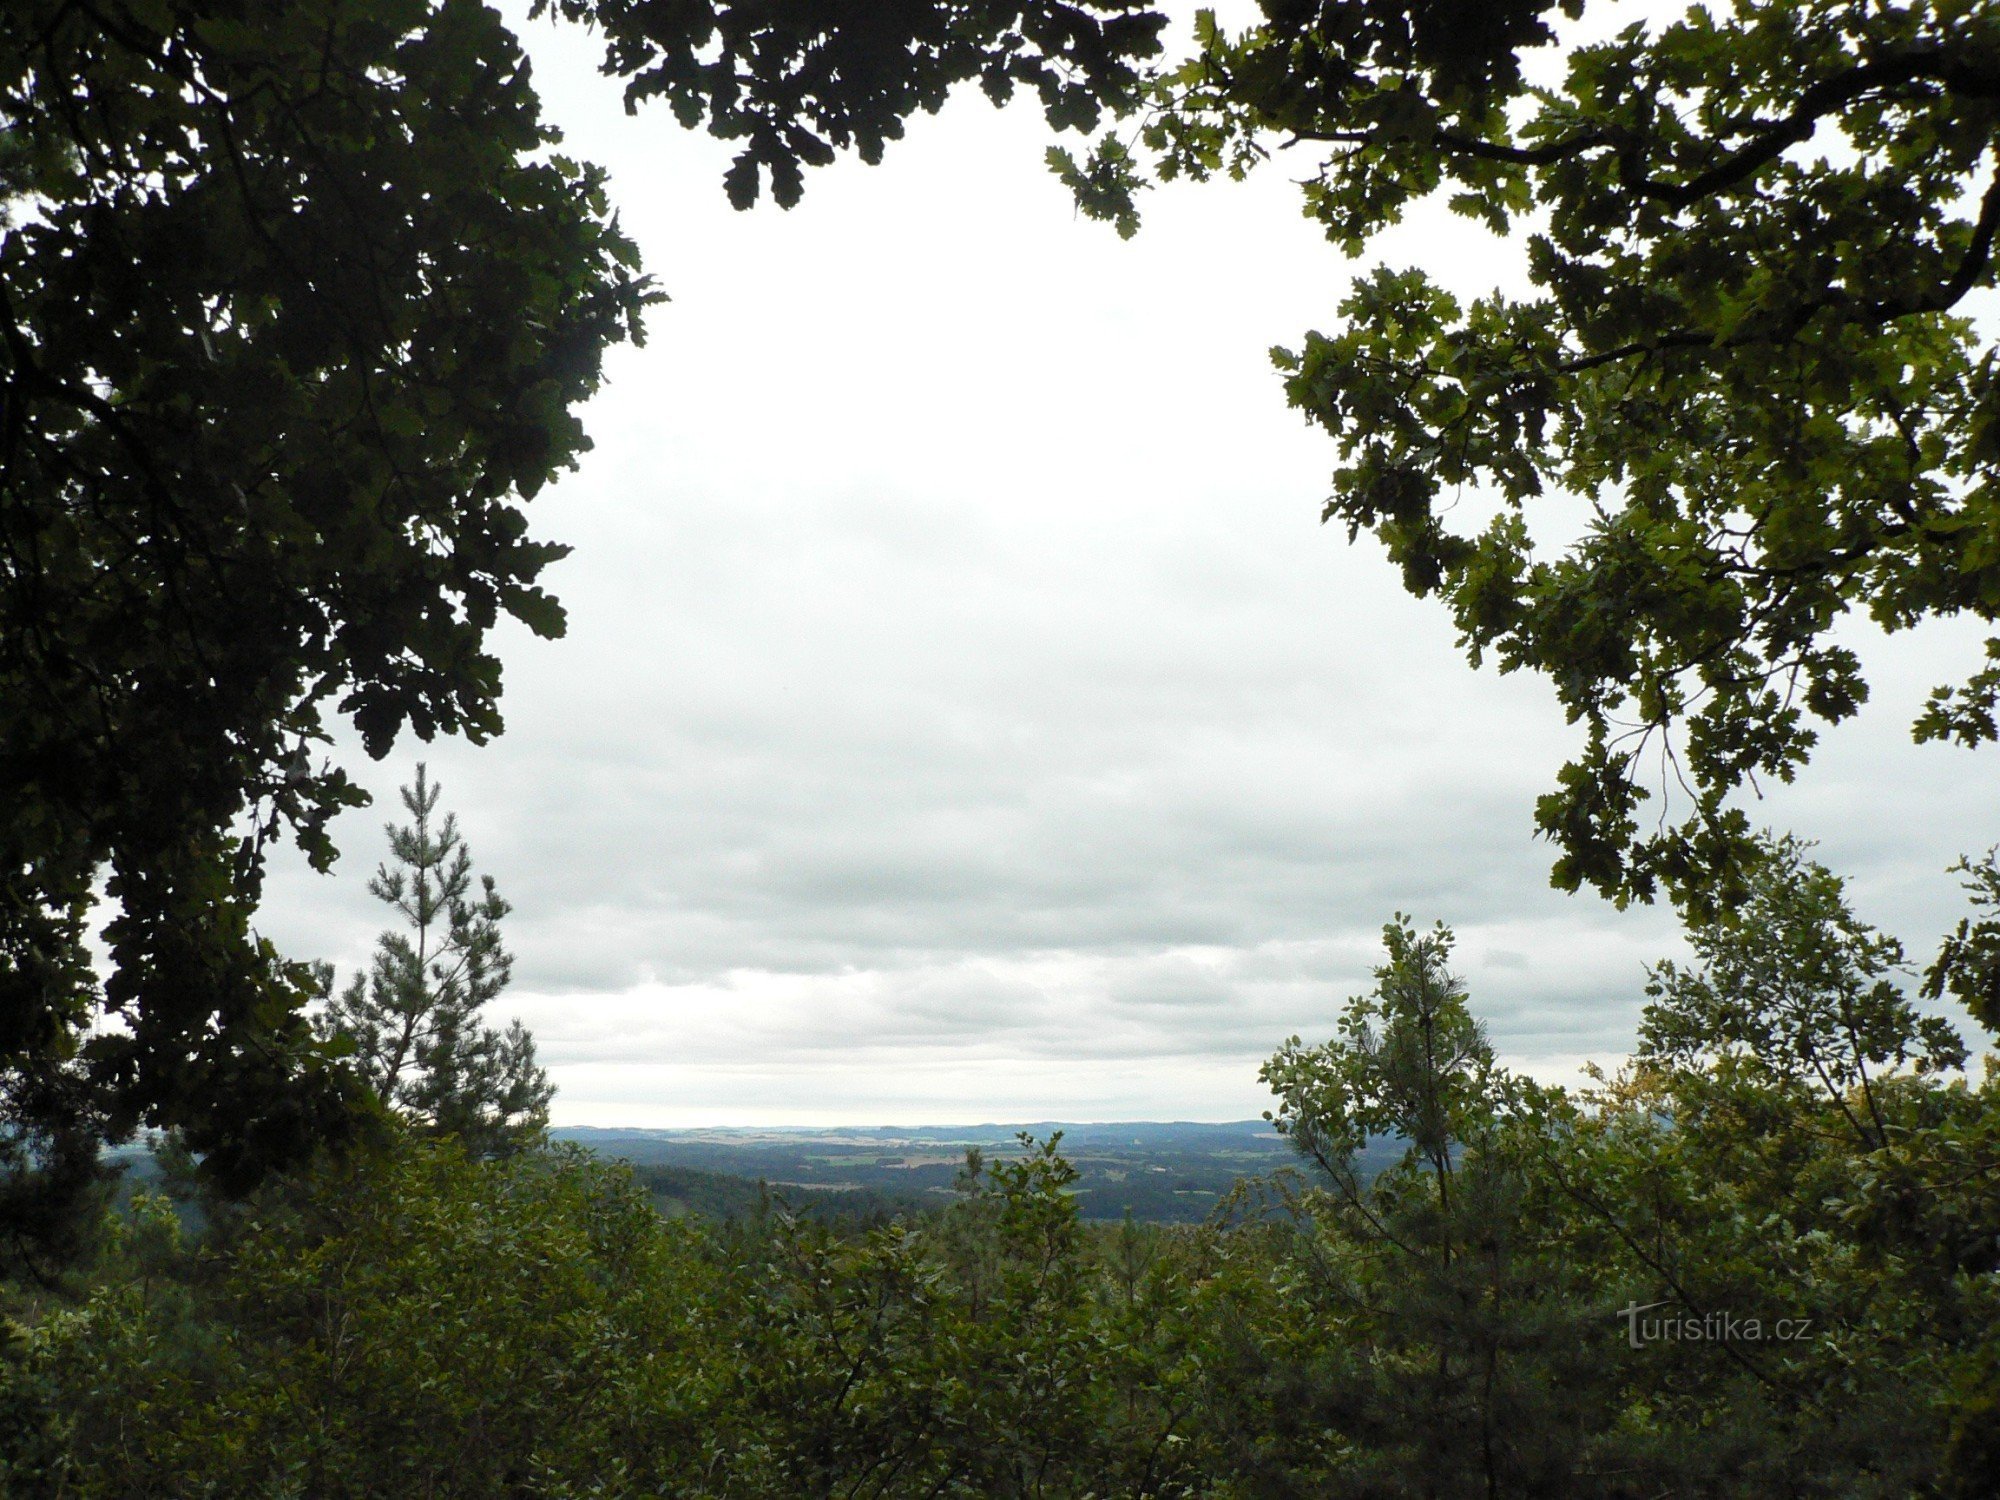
[(1752, 236), (798, 81), (295, 311)]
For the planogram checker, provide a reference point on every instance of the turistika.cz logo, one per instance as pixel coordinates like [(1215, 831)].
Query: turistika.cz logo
[(1709, 1328)]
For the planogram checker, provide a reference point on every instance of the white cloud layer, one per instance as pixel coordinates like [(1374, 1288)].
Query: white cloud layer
[(963, 714)]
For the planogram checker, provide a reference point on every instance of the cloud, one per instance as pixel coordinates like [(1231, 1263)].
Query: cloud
[(963, 713)]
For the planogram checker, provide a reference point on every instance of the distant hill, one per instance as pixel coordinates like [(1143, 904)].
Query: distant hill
[(1161, 1172)]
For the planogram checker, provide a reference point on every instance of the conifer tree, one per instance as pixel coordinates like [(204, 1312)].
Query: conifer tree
[(414, 1017), (1469, 1357)]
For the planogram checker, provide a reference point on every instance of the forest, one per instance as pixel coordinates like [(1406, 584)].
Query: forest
[(1758, 1259), (300, 309)]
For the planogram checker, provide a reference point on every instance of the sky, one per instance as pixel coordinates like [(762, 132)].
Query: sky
[(964, 716)]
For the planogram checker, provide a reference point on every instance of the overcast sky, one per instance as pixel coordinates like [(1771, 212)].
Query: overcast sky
[(964, 716)]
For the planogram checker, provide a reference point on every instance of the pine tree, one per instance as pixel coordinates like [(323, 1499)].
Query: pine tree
[(1469, 1358), (414, 1017)]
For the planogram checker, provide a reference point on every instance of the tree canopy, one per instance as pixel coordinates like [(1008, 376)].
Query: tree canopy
[(797, 81), (1716, 1273), (297, 304), (297, 308), (1754, 239)]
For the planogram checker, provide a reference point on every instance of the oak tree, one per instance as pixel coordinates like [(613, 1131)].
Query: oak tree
[(1754, 240), (296, 306)]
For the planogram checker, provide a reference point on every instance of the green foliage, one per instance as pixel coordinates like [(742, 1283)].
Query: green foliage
[(798, 81), (1462, 1324), (53, 1182), (295, 310), (963, 1355), (423, 1323), (1791, 1142), (1750, 236), (1412, 1066), (1968, 964), (1759, 1260), (1794, 992), (412, 1022), (1469, 1350), (1791, 1148), (418, 1325)]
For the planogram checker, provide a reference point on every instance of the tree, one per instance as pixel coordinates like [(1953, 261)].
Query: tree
[(1793, 1139), (413, 1018), (1793, 989), (398, 1329), (1790, 1180), (1746, 359), (1411, 1066), (799, 80), (1461, 1359), (1968, 963), (297, 307)]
